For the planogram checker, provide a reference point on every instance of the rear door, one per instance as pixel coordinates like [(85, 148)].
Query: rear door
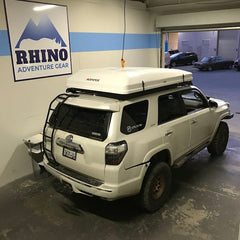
[(79, 138), (173, 124), (217, 63)]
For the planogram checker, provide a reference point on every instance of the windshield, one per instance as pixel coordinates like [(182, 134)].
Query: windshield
[(206, 59), (90, 123), (175, 55)]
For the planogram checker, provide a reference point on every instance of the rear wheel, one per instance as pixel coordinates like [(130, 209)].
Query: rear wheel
[(156, 187), (220, 140), (210, 68), (173, 64)]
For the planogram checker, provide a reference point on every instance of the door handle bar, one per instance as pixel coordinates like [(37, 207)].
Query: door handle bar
[(168, 133)]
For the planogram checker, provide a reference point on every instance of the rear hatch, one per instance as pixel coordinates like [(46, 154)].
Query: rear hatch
[(79, 137)]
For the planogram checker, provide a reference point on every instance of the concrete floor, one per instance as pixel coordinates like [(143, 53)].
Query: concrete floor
[(204, 204)]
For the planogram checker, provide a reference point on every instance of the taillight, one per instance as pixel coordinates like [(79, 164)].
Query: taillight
[(115, 152)]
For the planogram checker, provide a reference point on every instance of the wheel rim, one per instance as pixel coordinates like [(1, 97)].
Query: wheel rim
[(159, 187)]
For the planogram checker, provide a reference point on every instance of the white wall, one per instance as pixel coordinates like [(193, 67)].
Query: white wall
[(228, 44), (202, 43), (211, 43), (24, 104)]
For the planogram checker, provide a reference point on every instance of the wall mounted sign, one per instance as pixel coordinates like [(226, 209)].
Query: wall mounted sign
[(39, 39)]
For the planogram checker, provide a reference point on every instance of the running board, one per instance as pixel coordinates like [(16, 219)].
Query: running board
[(180, 161)]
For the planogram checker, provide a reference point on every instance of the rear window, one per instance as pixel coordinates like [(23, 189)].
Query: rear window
[(90, 123)]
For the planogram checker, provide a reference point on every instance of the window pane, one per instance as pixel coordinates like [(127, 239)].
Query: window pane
[(170, 107), (85, 122), (193, 100), (134, 117)]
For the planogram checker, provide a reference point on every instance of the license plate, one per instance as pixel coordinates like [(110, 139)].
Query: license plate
[(69, 154)]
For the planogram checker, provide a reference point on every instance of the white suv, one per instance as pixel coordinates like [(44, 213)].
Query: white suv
[(119, 132)]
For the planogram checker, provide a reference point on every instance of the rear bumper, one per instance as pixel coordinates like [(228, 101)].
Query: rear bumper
[(108, 192)]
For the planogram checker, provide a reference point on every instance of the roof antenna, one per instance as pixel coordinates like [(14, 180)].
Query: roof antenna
[(183, 77)]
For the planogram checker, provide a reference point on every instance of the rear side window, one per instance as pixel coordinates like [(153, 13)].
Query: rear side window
[(170, 107), (90, 123), (134, 117)]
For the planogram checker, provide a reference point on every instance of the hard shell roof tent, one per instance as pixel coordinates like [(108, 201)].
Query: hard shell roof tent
[(123, 83)]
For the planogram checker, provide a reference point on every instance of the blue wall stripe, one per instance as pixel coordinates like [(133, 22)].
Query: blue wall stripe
[(4, 43), (88, 42)]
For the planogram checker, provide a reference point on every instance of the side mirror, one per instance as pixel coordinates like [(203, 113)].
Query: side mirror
[(212, 104)]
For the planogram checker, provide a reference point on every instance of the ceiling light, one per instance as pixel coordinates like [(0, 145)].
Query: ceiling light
[(42, 8)]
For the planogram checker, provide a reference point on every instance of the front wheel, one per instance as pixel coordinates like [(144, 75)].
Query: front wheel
[(156, 187), (220, 140)]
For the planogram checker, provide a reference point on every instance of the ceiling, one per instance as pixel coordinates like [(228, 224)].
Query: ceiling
[(165, 7)]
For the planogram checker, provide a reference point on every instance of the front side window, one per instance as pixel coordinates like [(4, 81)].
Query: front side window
[(134, 117), (91, 123), (206, 60), (170, 107), (193, 100)]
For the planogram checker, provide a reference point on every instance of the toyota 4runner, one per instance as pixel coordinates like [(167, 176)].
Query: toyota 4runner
[(119, 132)]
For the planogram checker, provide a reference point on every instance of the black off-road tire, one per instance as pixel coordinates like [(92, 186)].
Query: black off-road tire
[(220, 140), (156, 187)]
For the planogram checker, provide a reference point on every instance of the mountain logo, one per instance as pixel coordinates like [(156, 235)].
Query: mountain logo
[(45, 29)]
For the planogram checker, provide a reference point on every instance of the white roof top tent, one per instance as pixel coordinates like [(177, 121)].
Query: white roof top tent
[(126, 81)]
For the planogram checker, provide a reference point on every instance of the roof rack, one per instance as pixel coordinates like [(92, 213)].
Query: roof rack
[(126, 96)]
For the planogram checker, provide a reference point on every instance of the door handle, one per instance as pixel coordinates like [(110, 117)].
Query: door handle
[(193, 121), (168, 133)]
